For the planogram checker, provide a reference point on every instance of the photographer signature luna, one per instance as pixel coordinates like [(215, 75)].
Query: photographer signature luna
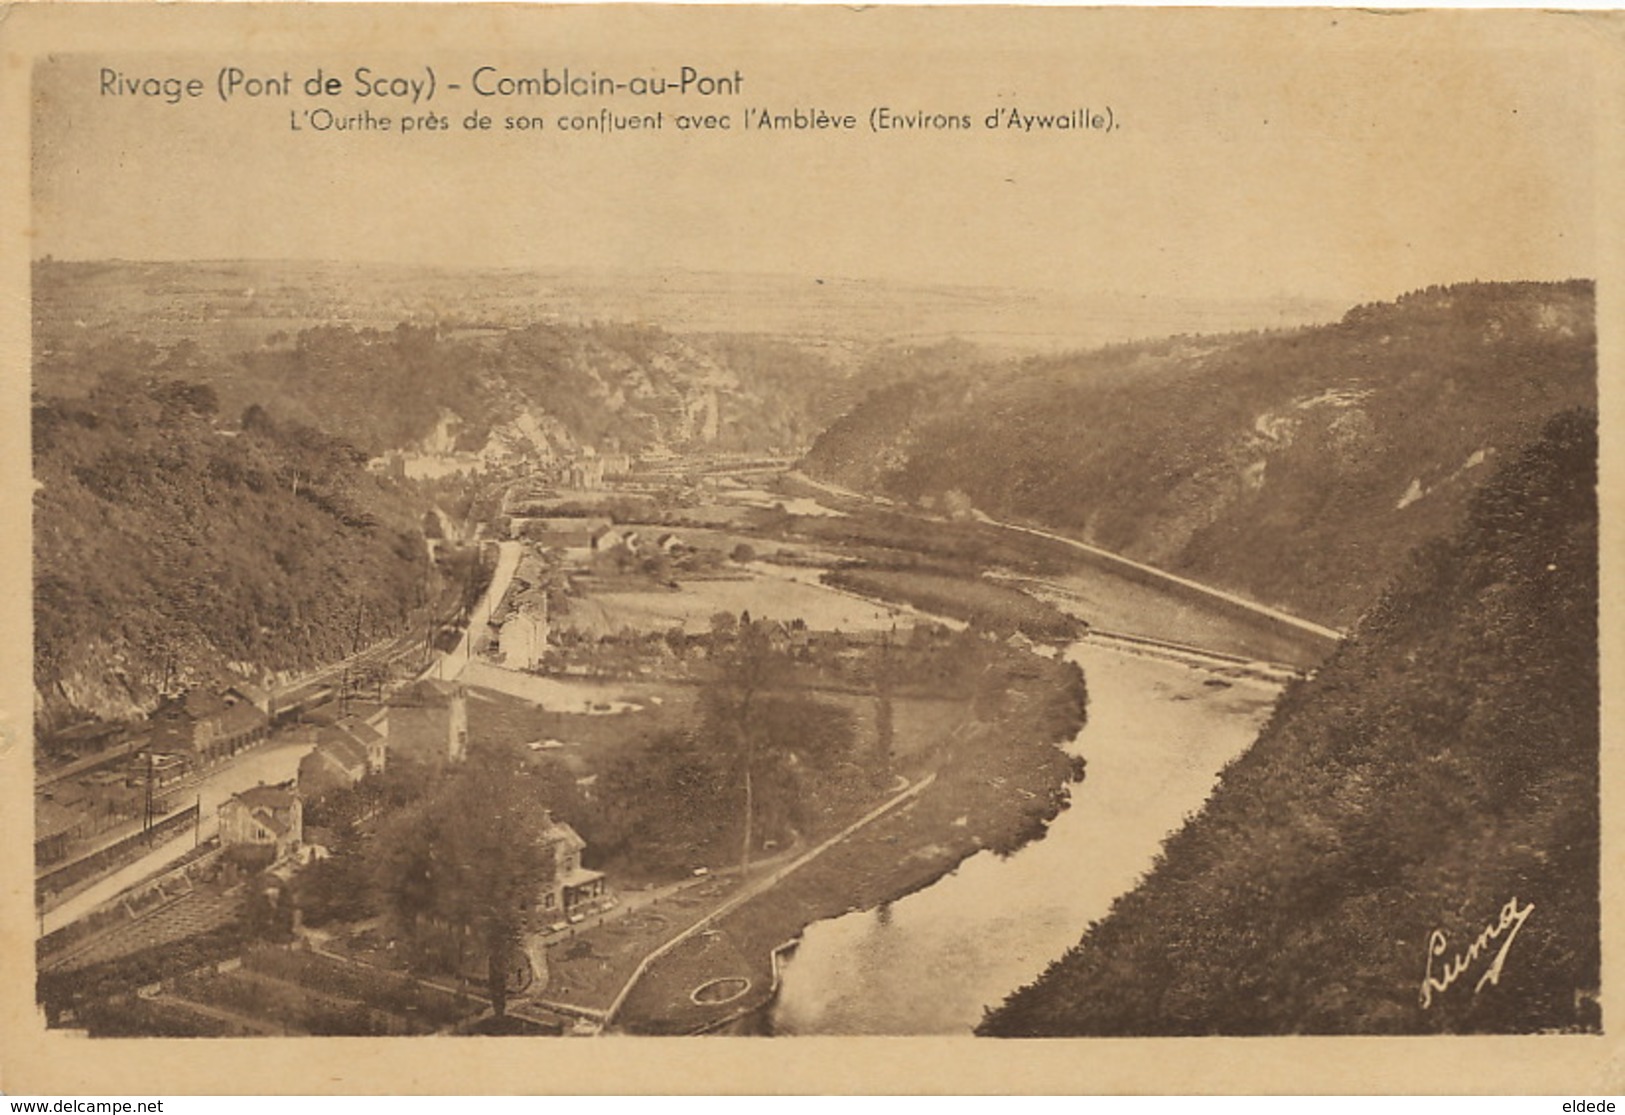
[(1511, 920)]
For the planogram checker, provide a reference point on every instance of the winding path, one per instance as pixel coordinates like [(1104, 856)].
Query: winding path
[(751, 890)]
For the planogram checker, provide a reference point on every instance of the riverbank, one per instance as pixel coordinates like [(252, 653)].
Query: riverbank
[(1441, 768), (1158, 735), (1001, 778)]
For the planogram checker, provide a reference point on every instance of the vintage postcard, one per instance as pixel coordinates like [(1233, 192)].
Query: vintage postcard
[(808, 549)]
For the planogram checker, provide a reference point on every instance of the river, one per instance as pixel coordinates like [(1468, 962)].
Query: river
[(1157, 736)]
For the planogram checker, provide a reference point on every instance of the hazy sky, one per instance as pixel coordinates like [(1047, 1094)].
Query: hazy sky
[(1333, 155)]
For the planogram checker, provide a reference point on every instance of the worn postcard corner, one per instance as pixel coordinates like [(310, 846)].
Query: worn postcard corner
[(982, 550)]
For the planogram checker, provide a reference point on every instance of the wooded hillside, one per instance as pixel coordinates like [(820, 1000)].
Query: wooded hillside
[(1296, 467), (170, 541), (1439, 775)]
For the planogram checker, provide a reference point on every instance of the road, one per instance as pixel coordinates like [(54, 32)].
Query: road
[(277, 761), (449, 667)]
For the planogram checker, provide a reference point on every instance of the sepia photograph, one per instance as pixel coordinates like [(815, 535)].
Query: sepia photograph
[(716, 528)]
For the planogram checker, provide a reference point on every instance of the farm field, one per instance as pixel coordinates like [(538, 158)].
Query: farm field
[(764, 597)]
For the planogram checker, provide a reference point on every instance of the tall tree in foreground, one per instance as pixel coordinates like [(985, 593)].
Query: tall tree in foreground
[(748, 669), (467, 863), (769, 738)]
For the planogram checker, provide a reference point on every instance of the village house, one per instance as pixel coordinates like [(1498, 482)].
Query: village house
[(615, 550), (345, 753), (573, 889), (567, 896), (520, 621), (524, 631), (583, 474), (606, 538), (157, 770), (206, 727), (56, 828), (788, 637), (349, 710), (333, 764), (270, 817), (428, 722), (85, 739), (572, 536), (99, 801), (253, 694)]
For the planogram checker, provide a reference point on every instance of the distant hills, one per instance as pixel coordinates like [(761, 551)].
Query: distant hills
[(401, 357), (1426, 804), (1297, 467), (239, 302), (428, 359)]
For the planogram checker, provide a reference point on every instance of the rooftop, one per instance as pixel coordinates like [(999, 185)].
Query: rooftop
[(429, 692), (267, 797)]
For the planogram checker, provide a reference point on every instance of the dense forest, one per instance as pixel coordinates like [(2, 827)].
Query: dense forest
[(1424, 809), (1297, 467), (171, 541)]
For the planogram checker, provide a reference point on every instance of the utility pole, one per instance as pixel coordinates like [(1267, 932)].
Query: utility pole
[(146, 818), (355, 646)]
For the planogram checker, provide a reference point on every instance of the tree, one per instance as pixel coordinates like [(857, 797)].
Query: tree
[(885, 729), (660, 808), (267, 908), (800, 742), (658, 566), (677, 639), (733, 710), (466, 864), (369, 676), (723, 626), (957, 505), (334, 889)]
